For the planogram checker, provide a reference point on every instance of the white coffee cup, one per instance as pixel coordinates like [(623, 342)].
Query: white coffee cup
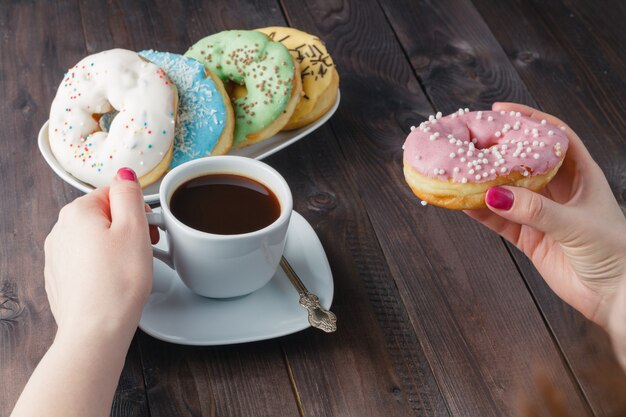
[(222, 266)]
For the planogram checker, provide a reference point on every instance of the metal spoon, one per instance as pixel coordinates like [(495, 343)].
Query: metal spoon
[(319, 317)]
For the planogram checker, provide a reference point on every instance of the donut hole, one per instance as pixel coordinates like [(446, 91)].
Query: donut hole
[(236, 91), (482, 141), (104, 120)]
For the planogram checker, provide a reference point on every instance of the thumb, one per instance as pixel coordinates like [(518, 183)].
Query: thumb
[(126, 199), (523, 206)]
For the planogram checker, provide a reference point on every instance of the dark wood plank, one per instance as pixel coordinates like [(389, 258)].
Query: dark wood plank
[(243, 380), (470, 62), (374, 365), (473, 314), (39, 41)]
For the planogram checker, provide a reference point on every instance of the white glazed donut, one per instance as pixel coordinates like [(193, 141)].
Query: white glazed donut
[(140, 136)]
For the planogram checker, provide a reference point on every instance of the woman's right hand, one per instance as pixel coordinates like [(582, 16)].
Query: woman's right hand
[(574, 231)]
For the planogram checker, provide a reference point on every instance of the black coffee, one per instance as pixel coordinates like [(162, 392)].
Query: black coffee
[(225, 204)]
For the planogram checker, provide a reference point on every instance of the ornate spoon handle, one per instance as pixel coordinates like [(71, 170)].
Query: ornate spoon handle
[(319, 317)]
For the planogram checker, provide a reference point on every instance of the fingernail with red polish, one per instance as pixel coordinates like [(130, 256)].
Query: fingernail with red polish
[(126, 174), (499, 198)]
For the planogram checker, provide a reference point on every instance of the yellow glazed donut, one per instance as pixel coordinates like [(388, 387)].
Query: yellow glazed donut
[(266, 69), (452, 161), (320, 80), (140, 135)]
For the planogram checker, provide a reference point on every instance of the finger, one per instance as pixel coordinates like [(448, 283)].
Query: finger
[(126, 199), (93, 206), (154, 231), (505, 228), (525, 207)]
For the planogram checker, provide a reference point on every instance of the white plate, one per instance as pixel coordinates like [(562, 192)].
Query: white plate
[(175, 314), (259, 151)]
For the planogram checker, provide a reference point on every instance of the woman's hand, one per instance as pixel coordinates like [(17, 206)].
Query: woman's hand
[(98, 267), (574, 231), (98, 276)]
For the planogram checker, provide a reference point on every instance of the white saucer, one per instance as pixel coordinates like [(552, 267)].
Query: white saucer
[(177, 315), (258, 151)]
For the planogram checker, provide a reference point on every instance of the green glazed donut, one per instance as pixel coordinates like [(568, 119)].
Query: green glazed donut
[(266, 69)]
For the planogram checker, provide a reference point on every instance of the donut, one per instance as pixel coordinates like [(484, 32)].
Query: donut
[(320, 80), (205, 117), (268, 73), (452, 161), (140, 135)]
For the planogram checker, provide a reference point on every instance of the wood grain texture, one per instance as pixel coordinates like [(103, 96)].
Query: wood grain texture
[(374, 364), (478, 324)]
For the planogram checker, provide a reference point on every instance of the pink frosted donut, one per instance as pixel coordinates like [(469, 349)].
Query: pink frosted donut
[(451, 161)]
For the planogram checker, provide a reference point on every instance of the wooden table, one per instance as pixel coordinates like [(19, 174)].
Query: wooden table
[(437, 315)]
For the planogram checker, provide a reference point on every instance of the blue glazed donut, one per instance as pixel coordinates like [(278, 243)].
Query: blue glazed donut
[(205, 119)]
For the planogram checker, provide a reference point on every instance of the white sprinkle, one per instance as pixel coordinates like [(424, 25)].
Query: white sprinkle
[(490, 118), (442, 171), (526, 131), (477, 177), (501, 161), (466, 110), (562, 128), (506, 127), (422, 125), (535, 143), (463, 180), (504, 147), (529, 150), (450, 136), (438, 115), (542, 144), (518, 114), (526, 143), (511, 113), (478, 167), (459, 143), (502, 112), (523, 155), (452, 155), (427, 129), (470, 164), (432, 137), (140, 162), (543, 121), (493, 171), (498, 134), (503, 169), (423, 203), (460, 150), (403, 147), (558, 153), (480, 154), (412, 128), (474, 140), (485, 174), (536, 156), (451, 140), (456, 170), (431, 118), (460, 112), (479, 115), (463, 159), (417, 157), (470, 153), (471, 171), (485, 161), (525, 173)]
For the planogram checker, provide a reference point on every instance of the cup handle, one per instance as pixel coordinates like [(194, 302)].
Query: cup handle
[(156, 219)]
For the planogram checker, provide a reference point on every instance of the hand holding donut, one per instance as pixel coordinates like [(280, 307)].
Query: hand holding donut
[(574, 231)]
